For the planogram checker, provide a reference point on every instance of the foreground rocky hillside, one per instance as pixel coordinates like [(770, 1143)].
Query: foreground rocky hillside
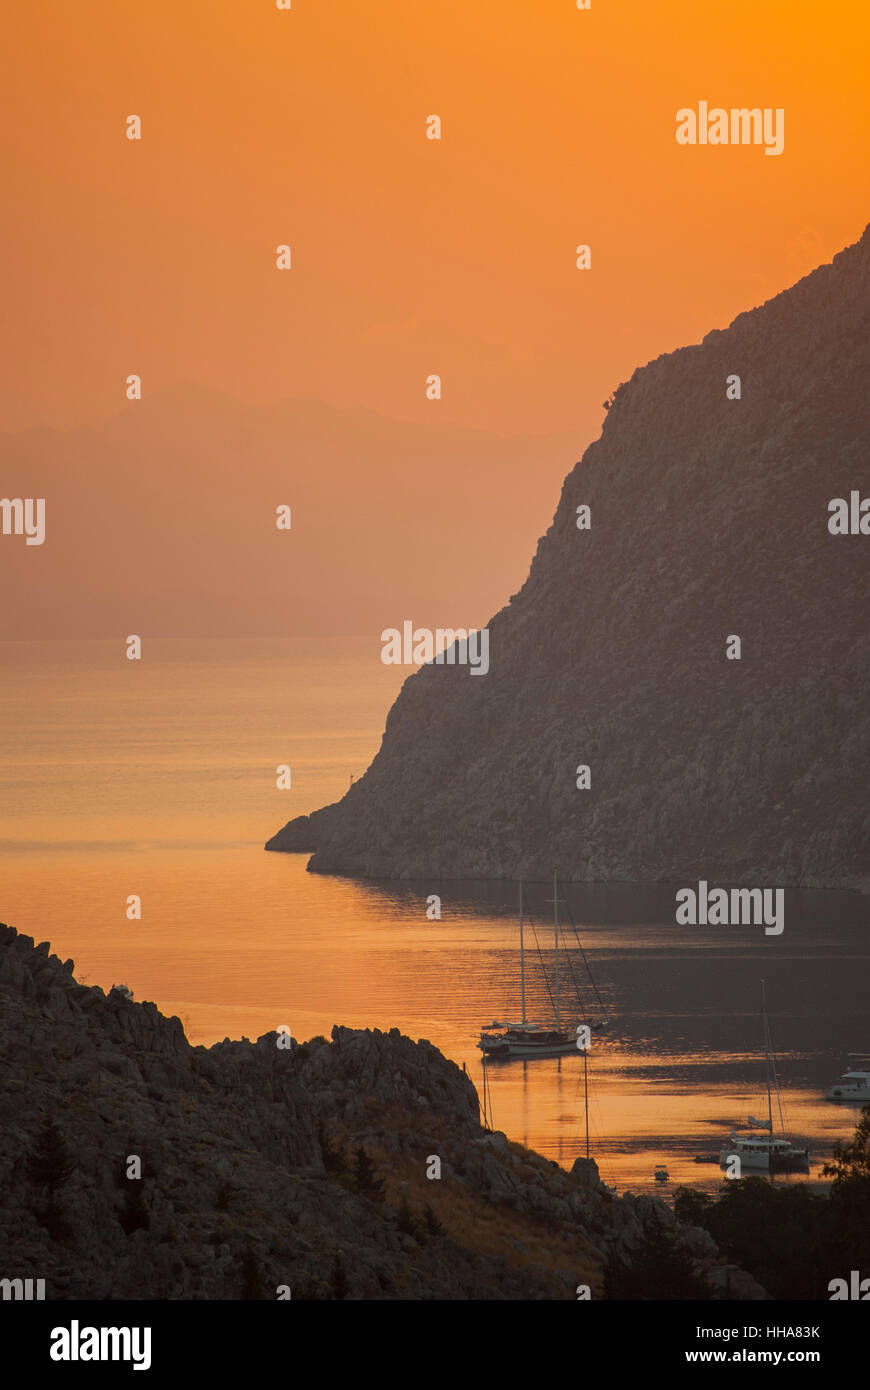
[(264, 1167), (709, 520)]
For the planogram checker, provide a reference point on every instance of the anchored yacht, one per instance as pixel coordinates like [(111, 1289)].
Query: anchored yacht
[(764, 1155), (769, 1154), (526, 1039), (853, 1086)]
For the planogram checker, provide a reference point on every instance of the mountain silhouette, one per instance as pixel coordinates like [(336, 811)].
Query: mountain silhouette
[(709, 521)]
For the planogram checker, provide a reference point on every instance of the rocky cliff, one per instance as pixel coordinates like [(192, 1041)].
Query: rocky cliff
[(709, 521), (303, 1168)]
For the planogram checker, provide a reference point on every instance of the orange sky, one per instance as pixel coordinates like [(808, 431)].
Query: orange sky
[(410, 256)]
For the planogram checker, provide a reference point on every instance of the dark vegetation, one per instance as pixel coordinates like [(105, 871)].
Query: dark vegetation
[(792, 1240)]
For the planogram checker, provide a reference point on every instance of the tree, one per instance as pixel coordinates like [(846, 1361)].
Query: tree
[(850, 1195), (49, 1166), (368, 1184), (658, 1270), (851, 1161), (779, 1235), (49, 1163), (334, 1160), (691, 1206)]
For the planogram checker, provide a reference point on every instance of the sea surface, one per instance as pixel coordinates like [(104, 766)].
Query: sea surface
[(158, 778)]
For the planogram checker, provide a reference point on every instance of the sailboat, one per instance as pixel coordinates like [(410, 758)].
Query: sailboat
[(771, 1154), (526, 1038)]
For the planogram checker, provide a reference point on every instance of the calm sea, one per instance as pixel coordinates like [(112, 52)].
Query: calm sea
[(158, 778)]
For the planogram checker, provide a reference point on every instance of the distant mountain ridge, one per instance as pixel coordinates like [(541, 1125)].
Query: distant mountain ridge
[(162, 520), (709, 519)]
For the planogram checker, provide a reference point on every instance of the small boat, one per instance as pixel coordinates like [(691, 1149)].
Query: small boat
[(770, 1154), (661, 1173), (854, 1085)]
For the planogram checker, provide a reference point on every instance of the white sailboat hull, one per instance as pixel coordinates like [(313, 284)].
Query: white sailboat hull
[(506, 1049)]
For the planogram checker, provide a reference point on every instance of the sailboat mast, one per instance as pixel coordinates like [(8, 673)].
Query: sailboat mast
[(586, 1093), (556, 936), (522, 959), (767, 1059)]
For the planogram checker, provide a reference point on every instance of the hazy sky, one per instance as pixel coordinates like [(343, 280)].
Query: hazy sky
[(410, 256)]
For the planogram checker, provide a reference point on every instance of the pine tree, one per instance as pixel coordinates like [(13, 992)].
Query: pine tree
[(367, 1182), (50, 1164), (333, 1159)]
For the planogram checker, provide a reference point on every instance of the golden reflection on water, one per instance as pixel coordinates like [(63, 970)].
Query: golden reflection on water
[(157, 778), (239, 942)]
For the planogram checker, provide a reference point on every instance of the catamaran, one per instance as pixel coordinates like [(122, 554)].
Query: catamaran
[(771, 1154), (527, 1038)]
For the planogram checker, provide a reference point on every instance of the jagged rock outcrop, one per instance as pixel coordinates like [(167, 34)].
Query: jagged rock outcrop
[(249, 1179), (709, 519)]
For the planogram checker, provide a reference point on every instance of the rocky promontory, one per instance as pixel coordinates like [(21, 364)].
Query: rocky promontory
[(134, 1166), (615, 667)]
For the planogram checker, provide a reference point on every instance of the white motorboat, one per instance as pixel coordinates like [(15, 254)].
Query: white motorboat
[(853, 1086)]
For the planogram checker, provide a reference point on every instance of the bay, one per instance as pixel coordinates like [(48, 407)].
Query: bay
[(158, 778)]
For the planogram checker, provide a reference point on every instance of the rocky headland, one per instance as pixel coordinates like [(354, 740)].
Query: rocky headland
[(709, 497), (299, 1168)]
